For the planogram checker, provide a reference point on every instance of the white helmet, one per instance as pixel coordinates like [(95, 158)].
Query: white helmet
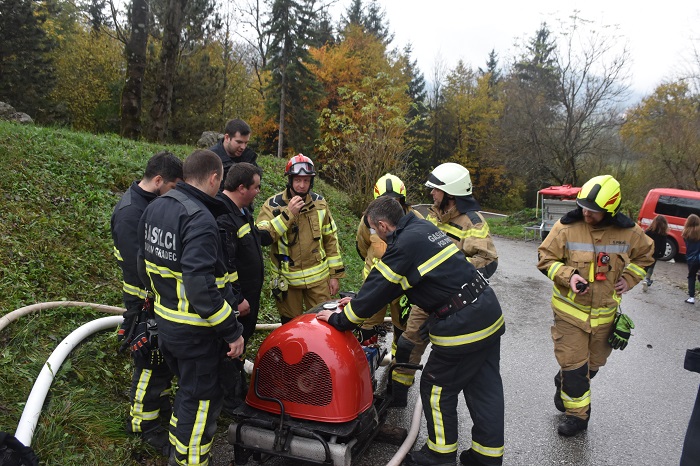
[(452, 178)]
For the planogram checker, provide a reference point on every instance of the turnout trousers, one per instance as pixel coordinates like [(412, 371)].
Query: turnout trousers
[(298, 300), (410, 347), (151, 384), (198, 399), (477, 376), (580, 355)]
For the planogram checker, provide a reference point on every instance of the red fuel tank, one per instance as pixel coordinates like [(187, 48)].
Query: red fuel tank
[(317, 372)]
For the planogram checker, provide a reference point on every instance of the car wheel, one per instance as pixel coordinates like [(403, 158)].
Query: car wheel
[(671, 250)]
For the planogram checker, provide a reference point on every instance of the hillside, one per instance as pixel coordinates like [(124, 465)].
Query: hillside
[(58, 189)]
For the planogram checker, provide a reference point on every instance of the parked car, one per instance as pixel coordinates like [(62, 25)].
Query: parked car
[(676, 205)]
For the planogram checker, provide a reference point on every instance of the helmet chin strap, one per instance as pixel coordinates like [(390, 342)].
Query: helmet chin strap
[(445, 199)]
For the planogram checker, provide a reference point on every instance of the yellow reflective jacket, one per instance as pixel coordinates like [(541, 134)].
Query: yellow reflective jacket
[(470, 233), (370, 246), (305, 247), (573, 246)]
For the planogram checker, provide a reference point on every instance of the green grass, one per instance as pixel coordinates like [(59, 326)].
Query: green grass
[(58, 189)]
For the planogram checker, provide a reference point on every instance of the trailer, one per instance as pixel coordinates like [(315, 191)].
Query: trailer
[(553, 202)]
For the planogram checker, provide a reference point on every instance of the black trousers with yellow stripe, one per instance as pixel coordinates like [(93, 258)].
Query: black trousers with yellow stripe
[(198, 400), (477, 375), (150, 394)]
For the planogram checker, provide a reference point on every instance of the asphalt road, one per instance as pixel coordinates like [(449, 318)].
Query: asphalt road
[(641, 400)]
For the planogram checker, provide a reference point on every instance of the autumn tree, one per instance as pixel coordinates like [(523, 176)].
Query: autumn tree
[(665, 129)]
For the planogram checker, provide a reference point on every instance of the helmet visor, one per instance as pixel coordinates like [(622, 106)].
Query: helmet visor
[(302, 168)]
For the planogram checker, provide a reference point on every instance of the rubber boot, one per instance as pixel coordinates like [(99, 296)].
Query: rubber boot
[(399, 393)]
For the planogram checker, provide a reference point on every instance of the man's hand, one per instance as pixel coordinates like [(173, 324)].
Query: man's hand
[(621, 286), (243, 308), (236, 348), (574, 284), (325, 314), (295, 205), (333, 286), (126, 332)]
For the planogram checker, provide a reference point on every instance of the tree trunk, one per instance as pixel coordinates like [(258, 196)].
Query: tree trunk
[(283, 97), (135, 70), (160, 110)]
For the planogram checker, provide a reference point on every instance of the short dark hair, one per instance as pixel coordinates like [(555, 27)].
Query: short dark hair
[(237, 126), (242, 173), (384, 208), (200, 164), (166, 164)]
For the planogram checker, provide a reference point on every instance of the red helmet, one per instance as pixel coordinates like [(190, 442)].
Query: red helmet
[(300, 165)]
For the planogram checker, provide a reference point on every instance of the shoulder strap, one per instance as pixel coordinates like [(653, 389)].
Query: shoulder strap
[(191, 206)]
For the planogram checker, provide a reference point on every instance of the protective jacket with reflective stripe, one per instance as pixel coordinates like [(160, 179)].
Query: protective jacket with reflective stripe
[(573, 246), (304, 247), (124, 223), (470, 232), (422, 262), (242, 247), (183, 258)]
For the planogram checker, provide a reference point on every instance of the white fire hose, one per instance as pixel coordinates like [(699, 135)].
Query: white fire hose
[(35, 401)]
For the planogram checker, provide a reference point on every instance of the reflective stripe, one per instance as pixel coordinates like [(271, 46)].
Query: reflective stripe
[(305, 276), (133, 290), (482, 232), (590, 247), (117, 254), (598, 315), (138, 415), (200, 424), (438, 423), (351, 316), (449, 251), (493, 452), (573, 403), (232, 277), (392, 276), (552, 271), (244, 230), (404, 379), (279, 225), (467, 338), (637, 270)]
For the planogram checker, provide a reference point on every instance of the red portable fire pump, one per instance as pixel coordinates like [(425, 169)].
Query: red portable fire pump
[(312, 396)]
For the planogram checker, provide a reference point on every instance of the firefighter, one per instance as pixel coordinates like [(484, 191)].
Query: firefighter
[(305, 255), (181, 255), (456, 212), (151, 379), (233, 147), (371, 248), (245, 263), (465, 325), (593, 254)]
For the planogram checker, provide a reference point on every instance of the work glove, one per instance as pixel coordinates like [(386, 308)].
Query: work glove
[(424, 330), (620, 335), (126, 332), (404, 309)]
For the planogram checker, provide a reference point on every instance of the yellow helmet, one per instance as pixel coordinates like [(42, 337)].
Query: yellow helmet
[(600, 194), (389, 185)]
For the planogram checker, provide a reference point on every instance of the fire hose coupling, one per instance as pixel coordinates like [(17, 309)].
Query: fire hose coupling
[(602, 266), (278, 286)]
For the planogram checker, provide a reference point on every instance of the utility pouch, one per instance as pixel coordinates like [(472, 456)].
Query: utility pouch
[(692, 360)]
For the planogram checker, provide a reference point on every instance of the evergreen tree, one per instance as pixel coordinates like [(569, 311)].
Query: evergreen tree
[(294, 91), (375, 23), (95, 10), (492, 69), (26, 71), (353, 15), (418, 134), (324, 30)]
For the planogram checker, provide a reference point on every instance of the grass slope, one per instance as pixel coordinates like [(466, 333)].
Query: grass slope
[(58, 189)]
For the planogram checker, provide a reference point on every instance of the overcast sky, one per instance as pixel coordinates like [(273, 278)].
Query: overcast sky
[(660, 35)]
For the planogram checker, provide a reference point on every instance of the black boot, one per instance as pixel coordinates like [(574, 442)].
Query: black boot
[(399, 394), (425, 457), (466, 458), (572, 425)]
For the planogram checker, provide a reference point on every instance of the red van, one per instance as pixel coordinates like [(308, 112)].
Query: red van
[(674, 204)]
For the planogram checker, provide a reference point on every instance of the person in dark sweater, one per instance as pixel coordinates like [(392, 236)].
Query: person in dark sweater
[(658, 231), (233, 147), (691, 237)]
